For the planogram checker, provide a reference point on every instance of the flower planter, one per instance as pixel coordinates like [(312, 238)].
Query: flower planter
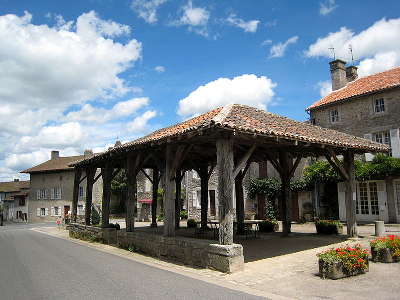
[(336, 270), (328, 227), (384, 255)]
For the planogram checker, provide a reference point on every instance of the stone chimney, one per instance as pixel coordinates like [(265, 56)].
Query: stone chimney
[(118, 144), (88, 153), (55, 154), (351, 73), (338, 74)]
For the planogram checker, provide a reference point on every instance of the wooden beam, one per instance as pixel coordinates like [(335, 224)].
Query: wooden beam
[(274, 163), (97, 177), (336, 164), (244, 160), (294, 167), (75, 195), (82, 179), (145, 174)]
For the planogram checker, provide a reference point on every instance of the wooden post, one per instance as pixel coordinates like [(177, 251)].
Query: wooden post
[(106, 173), (350, 200), (239, 202), (286, 163), (169, 203), (178, 194), (203, 174), (75, 195), (90, 173), (225, 190), (131, 172), (156, 180)]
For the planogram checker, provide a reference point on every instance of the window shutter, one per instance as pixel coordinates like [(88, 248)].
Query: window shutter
[(52, 192), (368, 156), (46, 211), (38, 194), (38, 212), (52, 211), (395, 142), (60, 193)]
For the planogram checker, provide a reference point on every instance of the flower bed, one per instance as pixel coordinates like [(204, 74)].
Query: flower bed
[(328, 227), (386, 249), (343, 262), (268, 226)]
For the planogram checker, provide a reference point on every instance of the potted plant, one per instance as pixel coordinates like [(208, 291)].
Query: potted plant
[(343, 262), (268, 226), (328, 227), (386, 249)]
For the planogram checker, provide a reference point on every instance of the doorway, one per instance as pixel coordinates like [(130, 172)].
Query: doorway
[(212, 202)]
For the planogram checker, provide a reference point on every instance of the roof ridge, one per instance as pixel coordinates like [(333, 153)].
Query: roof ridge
[(223, 113)]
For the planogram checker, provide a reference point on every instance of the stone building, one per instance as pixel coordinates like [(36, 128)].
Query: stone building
[(367, 107), (51, 189), (14, 197)]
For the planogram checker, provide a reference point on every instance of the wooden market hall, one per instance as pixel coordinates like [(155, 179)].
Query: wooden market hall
[(228, 138)]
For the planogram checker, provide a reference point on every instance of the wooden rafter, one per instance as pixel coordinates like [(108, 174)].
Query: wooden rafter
[(335, 162), (243, 161), (294, 167), (274, 163), (145, 174)]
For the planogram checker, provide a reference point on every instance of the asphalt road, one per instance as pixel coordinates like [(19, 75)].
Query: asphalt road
[(38, 266)]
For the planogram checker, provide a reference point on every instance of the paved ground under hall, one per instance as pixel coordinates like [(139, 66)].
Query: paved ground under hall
[(286, 268)]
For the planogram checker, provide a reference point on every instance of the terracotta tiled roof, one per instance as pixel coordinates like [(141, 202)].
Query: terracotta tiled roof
[(248, 119), (13, 186), (57, 164), (362, 86)]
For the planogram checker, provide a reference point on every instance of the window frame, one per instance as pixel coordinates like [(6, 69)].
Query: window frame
[(379, 105), (334, 116)]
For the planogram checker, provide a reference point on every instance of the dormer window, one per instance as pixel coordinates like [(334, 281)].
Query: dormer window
[(334, 116), (379, 105)]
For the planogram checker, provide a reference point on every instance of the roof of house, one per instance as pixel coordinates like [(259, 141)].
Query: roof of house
[(246, 119), (56, 164), (13, 186), (362, 86)]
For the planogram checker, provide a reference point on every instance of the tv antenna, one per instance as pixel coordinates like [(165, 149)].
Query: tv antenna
[(333, 52), (351, 53)]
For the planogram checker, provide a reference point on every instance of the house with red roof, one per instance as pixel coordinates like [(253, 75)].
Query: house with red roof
[(367, 107)]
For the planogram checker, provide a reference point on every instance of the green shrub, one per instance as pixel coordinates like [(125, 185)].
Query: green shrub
[(160, 218), (328, 226), (191, 223), (95, 217), (268, 226), (184, 214)]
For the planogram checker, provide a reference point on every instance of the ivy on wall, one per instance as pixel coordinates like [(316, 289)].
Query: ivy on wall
[(379, 168)]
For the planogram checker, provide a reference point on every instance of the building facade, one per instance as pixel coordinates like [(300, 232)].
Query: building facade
[(51, 189), (14, 197), (367, 107)]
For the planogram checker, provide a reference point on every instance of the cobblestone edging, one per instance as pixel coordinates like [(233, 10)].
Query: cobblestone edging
[(193, 252)]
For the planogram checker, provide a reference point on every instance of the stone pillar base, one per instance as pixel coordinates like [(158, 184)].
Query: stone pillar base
[(226, 258)]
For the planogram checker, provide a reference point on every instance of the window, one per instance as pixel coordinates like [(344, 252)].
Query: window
[(379, 105), (56, 211), (42, 194), (81, 211), (81, 191), (42, 212), (373, 195), (334, 116), (57, 193), (382, 137), (22, 201)]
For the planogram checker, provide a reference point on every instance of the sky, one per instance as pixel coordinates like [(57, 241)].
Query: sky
[(78, 75)]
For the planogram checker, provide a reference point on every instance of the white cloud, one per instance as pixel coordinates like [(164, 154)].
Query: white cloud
[(46, 70), (140, 123), (247, 26), (88, 113), (266, 42), (325, 87), (147, 9), (377, 47), (325, 8), (159, 69), (196, 18), (278, 50), (245, 89)]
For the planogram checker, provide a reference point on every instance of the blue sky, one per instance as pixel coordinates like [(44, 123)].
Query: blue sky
[(80, 74)]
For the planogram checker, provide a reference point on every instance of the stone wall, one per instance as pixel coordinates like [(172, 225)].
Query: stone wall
[(193, 252)]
